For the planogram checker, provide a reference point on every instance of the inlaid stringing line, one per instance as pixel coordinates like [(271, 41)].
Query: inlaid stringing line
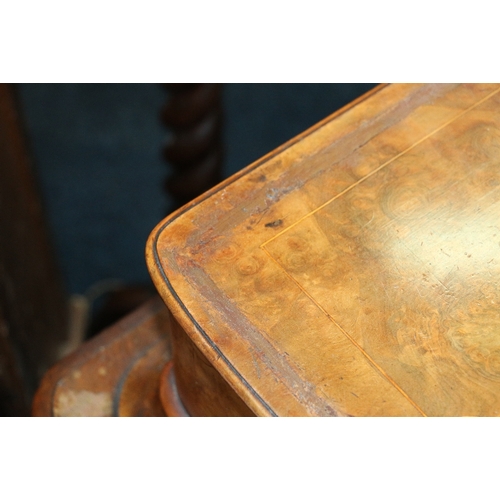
[(349, 337), (352, 186)]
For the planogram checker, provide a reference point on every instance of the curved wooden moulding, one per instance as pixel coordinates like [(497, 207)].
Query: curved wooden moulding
[(169, 395), (352, 272), (193, 114), (116, 373), (190, 386)]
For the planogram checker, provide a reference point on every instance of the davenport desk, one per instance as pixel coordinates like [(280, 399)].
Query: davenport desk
[(355, 271)]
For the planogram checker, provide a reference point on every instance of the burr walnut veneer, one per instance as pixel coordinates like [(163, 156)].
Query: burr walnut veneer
[(353, 271)]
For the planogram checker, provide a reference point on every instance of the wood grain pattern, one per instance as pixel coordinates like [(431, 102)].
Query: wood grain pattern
[(201, 389), (355, 270)]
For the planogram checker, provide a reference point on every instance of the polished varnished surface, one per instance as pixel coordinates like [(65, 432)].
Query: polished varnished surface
[(354, 271)]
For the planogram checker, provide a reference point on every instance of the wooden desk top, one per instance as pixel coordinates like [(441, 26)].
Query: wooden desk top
[(356, 269)]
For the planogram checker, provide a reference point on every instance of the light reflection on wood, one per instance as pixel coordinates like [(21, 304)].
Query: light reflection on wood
[(364, 257)]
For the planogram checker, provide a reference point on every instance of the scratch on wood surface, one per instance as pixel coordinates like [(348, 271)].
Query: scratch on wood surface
[(275, 223), (256, 365)]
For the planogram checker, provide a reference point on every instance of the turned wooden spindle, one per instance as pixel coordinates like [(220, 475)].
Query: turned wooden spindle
[(193, 114)]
